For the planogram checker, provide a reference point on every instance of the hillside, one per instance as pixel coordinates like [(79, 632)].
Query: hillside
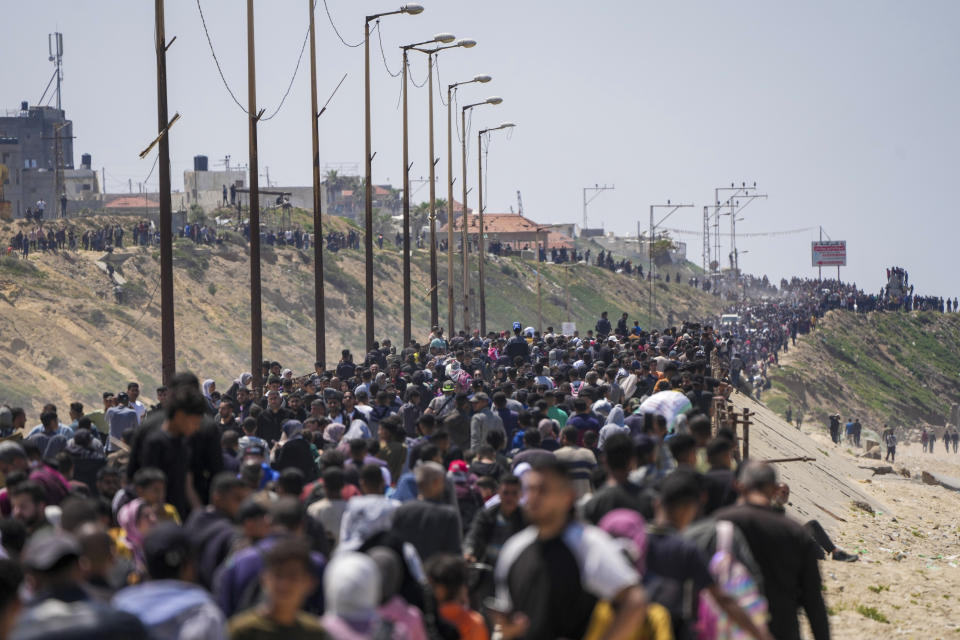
[(885, 368), (63, 337)]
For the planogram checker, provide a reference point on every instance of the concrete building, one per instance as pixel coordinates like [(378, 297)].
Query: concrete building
[(211, 189), (29, 140)]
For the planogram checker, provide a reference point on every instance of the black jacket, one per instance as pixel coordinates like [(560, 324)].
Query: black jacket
[(787, 556), (431, 527)]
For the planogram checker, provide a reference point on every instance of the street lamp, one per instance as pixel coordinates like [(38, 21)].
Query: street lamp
[(480, 230), (407, 329), (466, 270), (410, 9), (451, 311), (431, 53)]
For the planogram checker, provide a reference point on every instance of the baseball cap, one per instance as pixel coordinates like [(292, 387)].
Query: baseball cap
[(517, 326), (46, 550), (480, 395), (448, 386), (458, 465)]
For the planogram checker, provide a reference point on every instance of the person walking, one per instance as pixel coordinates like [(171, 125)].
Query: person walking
[(890, 440)]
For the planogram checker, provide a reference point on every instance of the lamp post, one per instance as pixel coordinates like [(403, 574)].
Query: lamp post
[(465, 245), (451, 309), (434, 302), (410, 9), (480, 230), (653, 227), (407, 329)]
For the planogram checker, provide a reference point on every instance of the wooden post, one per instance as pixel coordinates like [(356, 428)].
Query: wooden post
[(746, 434)]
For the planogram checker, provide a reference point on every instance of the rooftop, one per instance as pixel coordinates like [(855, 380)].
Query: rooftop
[(133, 202), (495, 224)]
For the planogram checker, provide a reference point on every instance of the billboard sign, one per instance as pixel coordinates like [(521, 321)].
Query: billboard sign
[(829, 253)]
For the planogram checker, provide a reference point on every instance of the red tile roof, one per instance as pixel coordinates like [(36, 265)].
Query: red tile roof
[(132, 202), (504, 224)]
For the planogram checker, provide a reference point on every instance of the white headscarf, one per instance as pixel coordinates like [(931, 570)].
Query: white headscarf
[(351, 586)]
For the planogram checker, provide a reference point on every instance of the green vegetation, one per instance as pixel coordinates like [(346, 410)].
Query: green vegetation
[(879, 588), (186, 256), (16, 267), (893, 368), (872, 613)]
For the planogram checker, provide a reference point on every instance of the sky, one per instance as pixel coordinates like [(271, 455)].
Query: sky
[(843, 113)]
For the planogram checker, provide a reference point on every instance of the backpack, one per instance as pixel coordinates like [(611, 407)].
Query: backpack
[(735, 579)]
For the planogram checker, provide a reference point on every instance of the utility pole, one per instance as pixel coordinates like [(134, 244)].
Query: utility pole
[(466, 223), (451, 308), (673, 208), (743, 191), (434, 300), (168, 363), (705, 253), (368, 192), (318, 293), (482, 302), (597, 189), (407, 329), (256, 320)]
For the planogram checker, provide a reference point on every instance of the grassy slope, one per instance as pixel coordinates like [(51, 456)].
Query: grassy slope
[(62, 337), (898, 369)]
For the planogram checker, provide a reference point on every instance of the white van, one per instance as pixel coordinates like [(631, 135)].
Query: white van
[(729, 319)]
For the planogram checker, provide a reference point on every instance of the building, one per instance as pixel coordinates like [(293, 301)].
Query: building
[(82, 185), (31, 141), (511, 230), (212, 189)]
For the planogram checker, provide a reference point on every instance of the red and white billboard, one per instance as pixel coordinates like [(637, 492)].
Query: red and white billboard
[(829, 253)]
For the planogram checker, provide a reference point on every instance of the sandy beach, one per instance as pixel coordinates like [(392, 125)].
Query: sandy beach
[(907, 582)]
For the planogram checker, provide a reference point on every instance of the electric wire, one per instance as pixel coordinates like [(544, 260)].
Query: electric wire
[(223, 78), (383, 53), (334, 26)]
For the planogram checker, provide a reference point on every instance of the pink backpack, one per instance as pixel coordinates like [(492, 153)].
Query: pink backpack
[(731, 576)]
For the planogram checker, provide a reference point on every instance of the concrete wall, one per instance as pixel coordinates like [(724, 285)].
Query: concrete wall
[(30, 153)]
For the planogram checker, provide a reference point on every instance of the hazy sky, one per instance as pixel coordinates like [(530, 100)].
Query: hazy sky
[(843, 112)]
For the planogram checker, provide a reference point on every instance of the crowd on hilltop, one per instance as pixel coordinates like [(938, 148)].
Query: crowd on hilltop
[(536, 486), (832, 294)]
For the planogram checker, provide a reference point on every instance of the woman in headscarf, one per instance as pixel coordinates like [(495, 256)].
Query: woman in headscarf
[(405, 617), (351, 591), (136, 519), (239, 383), (213, 402), (615, 424), (295, 451), (332, 434), (629, 529), (358, 431)]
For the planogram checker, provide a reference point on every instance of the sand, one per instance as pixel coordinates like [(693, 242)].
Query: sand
[(909, 572)]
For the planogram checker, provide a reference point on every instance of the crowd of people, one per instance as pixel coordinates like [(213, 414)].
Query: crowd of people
[(535, 486)]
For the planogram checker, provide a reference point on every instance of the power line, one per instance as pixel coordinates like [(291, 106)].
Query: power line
[(224, 79), (745, 235), (436, 64), (383, 54), (214, 54), (334, 26), (294, 76), (421, 85)]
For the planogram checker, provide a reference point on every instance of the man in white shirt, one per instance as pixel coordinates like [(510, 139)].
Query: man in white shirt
[(133, 393)]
